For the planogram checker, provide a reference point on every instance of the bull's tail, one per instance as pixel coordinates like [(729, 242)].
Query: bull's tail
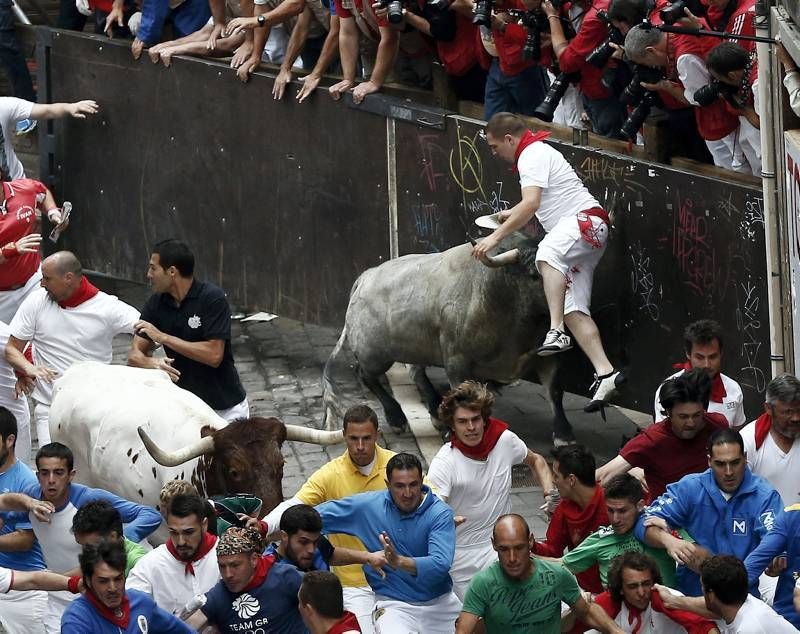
[(330, 397)]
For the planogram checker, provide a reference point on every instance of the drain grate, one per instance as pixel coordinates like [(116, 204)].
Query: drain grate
[(522, 477)]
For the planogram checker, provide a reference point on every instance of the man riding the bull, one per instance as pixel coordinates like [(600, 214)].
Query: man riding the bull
[(577, 232)]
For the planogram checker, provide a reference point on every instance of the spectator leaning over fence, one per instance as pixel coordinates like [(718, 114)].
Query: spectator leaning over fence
[(771, 441), (327, 56), (320, 603), (791, 77), (185, 16), (677, 445), (472, 473), (577, 231), (702, 343)]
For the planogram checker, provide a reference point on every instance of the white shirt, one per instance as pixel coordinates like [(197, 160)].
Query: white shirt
[(756, 617), (563, 193), (693, 74), (781, 470), (11, 111), (477, 489), (653, 622), (6, 578), (732, 406), (63, 336), (165, 579), (8, 381)]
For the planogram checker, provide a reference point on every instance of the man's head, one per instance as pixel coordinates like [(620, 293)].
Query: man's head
[(55, 470), (170, 261), (727, 62), (503, 134), (238, 552), (172, 488), (646, 46), (301, 527), (513, 541), (320, 599), (724, 581), (96, 521), (466, 410), (187, 524), (684, 401), (625, 14), (702, 342), (783, 405), (8, 437), (404, 481), (61, 275), (624, 502), (631, 578), (573, 468), (727, 459), (103, 569), (360, 428)]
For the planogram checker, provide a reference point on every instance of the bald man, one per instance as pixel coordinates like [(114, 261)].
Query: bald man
[(520, 593), (68, 320)]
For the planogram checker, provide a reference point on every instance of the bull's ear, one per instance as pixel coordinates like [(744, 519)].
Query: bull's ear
[(206, 430)]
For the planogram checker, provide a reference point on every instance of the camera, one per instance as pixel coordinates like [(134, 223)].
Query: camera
[(715, 89), (638, 115), (600, 56), (675, 11), (483, 13), (395, 10), (547, 108), (640, 99)]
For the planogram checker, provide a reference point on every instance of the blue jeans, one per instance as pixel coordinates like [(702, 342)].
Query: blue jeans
[(520, 93), (12, 58), (606, 115)]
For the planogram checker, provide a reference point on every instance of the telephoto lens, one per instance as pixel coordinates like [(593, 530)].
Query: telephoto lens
[(708, 94), (547, 108)]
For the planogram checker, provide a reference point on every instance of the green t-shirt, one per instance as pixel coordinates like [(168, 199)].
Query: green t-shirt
[(517, 607), (602, 546), (134, 552)]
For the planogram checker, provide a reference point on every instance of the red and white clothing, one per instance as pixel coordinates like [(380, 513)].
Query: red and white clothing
[(741, 21), (19, 217), (63, 336), (766, 459), (173, 582), (480, 491), (726, 399), (656, 619), (576, 226), (348, 624)]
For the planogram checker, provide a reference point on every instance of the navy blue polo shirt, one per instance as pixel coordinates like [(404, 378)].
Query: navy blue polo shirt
[(204, 314)]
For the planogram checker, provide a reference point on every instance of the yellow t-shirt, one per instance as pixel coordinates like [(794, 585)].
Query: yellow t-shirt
[(338, 479)]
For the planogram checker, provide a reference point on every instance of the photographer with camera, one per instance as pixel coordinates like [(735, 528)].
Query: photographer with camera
[(735, 73), (683, 59), (515, 83), (605, 111)]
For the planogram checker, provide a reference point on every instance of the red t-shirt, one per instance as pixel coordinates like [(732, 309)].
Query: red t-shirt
[(569, 526), (20, 219), (364, 8), (666, 458)]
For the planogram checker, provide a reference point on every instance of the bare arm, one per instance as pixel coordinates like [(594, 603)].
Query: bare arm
[(592, 614), (387, 52), (346, 556), (516, 218), (141, 356), (17, 541), (16, 359), (417, 21), (329, 50), (611, 468), (466, 623), (39, 580), (297, 40), (77, 109), (197, 621), (690, 604), (539, 466), (206, 352)]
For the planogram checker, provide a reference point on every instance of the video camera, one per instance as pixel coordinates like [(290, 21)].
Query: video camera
[(600, 56), (675, 11), (640, 99)]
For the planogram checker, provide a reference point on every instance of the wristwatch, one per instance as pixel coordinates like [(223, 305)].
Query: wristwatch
[(261, 19)]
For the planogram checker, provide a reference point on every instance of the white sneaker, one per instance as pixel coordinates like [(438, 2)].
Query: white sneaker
[(555, 341), (603, 389)]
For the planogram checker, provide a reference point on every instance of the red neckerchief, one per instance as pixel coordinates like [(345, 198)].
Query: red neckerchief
[(529, 138), (260, 573), (490, 437), (84, 292), (110, 615), (717, 388), (763, 425), (347, 623), (209, 541)]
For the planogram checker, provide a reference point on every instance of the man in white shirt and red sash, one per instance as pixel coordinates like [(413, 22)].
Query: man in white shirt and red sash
[(67, 321), (577, 231), (702, 341)]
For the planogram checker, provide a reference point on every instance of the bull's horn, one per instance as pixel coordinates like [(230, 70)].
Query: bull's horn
[(314, 436), (174, 458), (496, 261)]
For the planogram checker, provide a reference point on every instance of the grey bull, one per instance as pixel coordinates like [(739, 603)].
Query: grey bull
[(477, 321)]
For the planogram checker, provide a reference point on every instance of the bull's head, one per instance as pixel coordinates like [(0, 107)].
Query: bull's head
[(522, 255), (243, 457)]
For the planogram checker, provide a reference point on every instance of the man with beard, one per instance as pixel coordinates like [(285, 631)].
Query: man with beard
[(520, 593), (67, 321), (702, 342), (186, 565), (106, 606), (676, 446), (773, 451)]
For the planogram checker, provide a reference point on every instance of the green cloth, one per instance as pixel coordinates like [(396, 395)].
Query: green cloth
[(134, 553), (246, 504), (602, 546), (520, 607)]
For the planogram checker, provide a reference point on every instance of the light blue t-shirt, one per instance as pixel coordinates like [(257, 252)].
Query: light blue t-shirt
[(15, 480)]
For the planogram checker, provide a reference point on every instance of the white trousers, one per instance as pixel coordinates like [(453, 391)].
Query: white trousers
[(41, 415), (57, 603), (430, 617), (23, 612), (21, 410), (361, 602), (240, 410), (468, 562), (10, 300)]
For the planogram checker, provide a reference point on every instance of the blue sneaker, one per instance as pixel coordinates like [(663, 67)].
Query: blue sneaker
[(25, 126)]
